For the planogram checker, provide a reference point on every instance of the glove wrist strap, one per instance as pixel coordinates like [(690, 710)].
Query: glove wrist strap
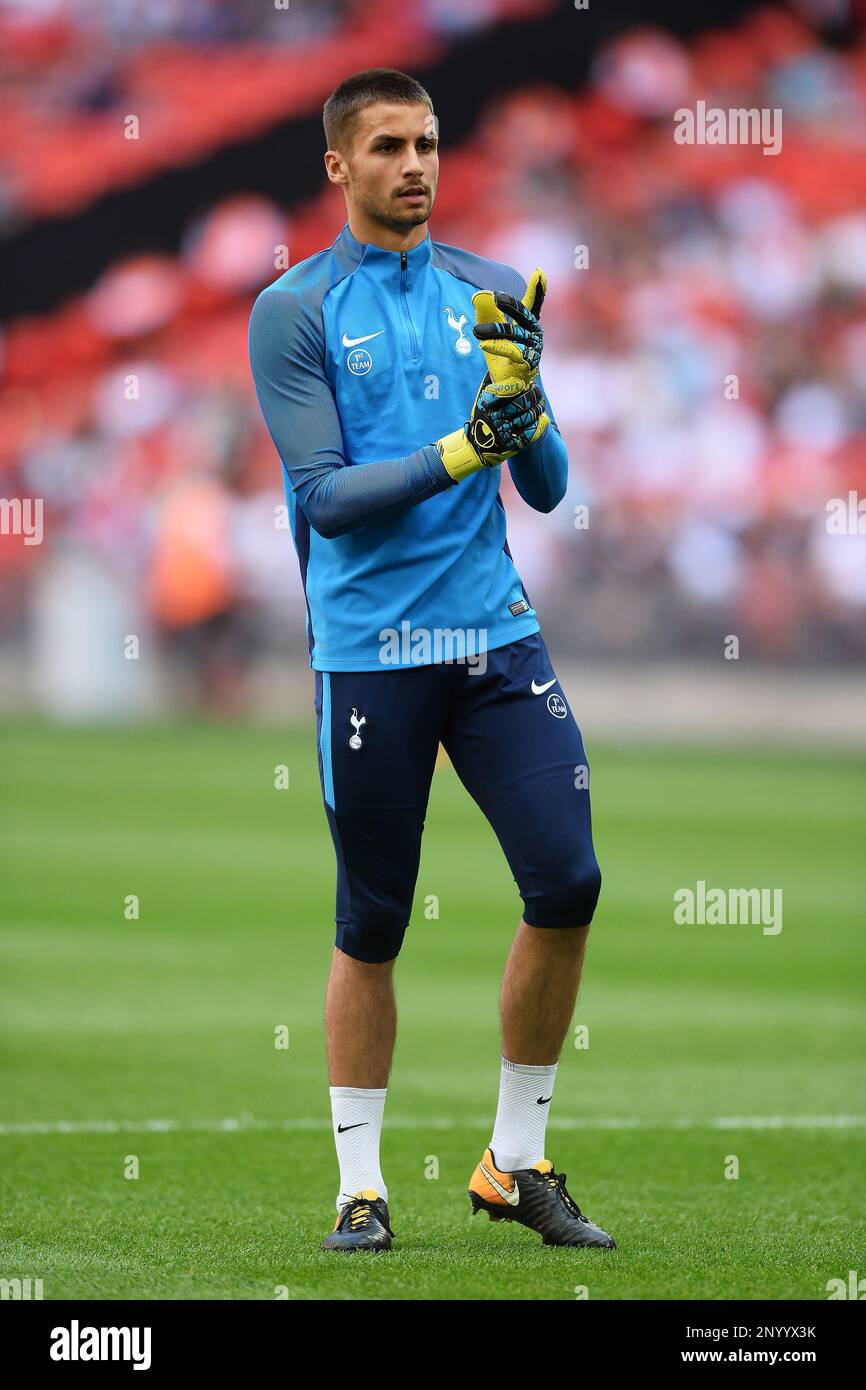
[(458, 455)]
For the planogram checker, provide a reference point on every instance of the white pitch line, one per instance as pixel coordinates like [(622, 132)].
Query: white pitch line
[(246, 1123)]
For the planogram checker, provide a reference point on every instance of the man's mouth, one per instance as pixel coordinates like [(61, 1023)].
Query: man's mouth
[(412, 193)]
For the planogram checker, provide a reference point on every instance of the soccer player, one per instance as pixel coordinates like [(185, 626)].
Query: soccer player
[(392, 422)]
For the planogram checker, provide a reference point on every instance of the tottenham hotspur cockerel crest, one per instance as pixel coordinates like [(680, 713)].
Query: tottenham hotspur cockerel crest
[(462, 345), (355, 740)]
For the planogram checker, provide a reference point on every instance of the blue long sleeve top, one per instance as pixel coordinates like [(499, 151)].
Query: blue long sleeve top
[(361, 358)]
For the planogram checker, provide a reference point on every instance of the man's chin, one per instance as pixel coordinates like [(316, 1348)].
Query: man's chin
[(411, 217)]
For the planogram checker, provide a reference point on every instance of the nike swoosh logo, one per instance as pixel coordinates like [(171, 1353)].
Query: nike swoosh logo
[(353, 342), (512, 1197), (540, 689), (341, 1129), (542, 1100)]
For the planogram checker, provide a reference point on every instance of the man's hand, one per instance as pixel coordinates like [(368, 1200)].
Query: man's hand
[(510, 333), (507, 416), (509, 412)]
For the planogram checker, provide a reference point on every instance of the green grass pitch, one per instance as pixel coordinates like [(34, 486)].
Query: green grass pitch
[(704, 1041)]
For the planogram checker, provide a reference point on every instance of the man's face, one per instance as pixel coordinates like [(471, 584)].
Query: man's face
[(395, 153)]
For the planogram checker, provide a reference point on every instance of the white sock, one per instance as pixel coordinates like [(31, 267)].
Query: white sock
[(521, 1121), (357, 1116)]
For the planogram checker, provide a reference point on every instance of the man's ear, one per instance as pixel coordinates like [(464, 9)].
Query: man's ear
[(334, 167)]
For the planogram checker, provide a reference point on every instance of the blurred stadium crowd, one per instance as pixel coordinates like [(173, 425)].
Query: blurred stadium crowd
[(707, 367)]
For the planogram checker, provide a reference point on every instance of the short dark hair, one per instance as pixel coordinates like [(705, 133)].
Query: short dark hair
[(363, 89)]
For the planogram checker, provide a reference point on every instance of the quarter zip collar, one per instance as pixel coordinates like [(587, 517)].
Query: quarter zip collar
[(380, 261)]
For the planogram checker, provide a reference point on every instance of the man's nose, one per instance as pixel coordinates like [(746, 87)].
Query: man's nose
[(412, 166)]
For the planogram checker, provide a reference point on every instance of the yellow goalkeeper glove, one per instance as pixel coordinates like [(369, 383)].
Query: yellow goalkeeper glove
[(510, 333), (507, 416)]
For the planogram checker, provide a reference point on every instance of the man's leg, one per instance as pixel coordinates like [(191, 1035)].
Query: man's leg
[(360, 1028), (539, 990), (519, 753), (378, 735), (536, 1003), (360, 1021)]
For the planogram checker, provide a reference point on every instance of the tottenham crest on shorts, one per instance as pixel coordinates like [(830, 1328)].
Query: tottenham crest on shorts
[(355, 740)]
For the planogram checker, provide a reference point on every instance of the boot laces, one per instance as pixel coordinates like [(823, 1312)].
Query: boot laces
[(556, 1181), (358, 1215)]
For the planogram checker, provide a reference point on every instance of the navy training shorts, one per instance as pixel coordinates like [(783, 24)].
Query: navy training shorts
[(517, 750)]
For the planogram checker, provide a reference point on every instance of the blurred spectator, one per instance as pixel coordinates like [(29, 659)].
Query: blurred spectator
[(706, 367)]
